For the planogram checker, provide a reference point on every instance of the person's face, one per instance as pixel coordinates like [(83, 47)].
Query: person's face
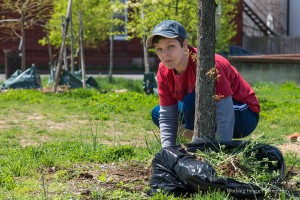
[(170, 52)]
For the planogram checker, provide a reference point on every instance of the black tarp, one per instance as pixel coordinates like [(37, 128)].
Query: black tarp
[(150, 83), (28, 79), (176, 172), (73, 80)]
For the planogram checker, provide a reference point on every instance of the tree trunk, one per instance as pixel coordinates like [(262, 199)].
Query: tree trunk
[(146, 54), (111, 52), (205, 104), (82, 51), (65, 59), (65, 48), (49, 51), (176, 7), (51, 65), (23, 40), (111, 58), (72, 43), (61, 51)]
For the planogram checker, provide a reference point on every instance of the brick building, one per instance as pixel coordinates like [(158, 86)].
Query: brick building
[(129, 54)]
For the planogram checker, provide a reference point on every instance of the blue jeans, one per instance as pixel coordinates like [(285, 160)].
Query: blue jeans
[(245, 120)]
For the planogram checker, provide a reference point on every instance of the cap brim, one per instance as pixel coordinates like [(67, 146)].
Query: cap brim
[(149, 42)]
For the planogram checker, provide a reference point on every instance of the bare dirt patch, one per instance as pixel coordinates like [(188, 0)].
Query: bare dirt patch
[(293, 147), (86, 179), (27, 141)]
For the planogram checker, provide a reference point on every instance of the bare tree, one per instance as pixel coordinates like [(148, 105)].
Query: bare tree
[(17, 16), (82, 59), (72, 43), (145, 49), (111, 51), (62, 46), (205, 104)]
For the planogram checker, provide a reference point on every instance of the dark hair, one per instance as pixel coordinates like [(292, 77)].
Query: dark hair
[(157, 38)]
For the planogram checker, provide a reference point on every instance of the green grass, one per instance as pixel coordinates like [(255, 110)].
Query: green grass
[(279, 116), (82, 129)]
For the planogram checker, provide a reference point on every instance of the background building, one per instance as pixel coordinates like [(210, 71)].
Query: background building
[(274, 23)]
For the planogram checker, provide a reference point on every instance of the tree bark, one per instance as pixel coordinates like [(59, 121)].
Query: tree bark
[(51, 65), (111, 58), (49, 51), (146, 54), (23, 44), (72, 43), (61, 51), (65, 48), (205, 104), (111, 52), (82, 51), (176, 7)]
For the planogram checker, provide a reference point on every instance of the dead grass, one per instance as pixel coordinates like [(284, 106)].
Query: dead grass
[(290, 148), (112, 133), (84, 179)]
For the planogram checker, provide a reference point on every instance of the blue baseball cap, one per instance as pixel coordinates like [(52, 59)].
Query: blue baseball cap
[(168, 29)]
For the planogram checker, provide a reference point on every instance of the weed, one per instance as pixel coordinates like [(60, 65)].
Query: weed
[(163, 196), (120, 83), (212, 195), (82, 93), (291, 158), (40, 130), (94, 134), (153, 146), (7, 180), (103, 177), (45, 193), (244, 163)]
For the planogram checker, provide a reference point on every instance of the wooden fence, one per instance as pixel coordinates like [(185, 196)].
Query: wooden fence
[(272, 45)]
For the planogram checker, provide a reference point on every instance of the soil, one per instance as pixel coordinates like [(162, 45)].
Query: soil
[(131, 177), (84, 179), (290, 148)]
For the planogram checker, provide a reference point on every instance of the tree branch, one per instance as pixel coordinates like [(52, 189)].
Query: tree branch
[(9, 20)]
